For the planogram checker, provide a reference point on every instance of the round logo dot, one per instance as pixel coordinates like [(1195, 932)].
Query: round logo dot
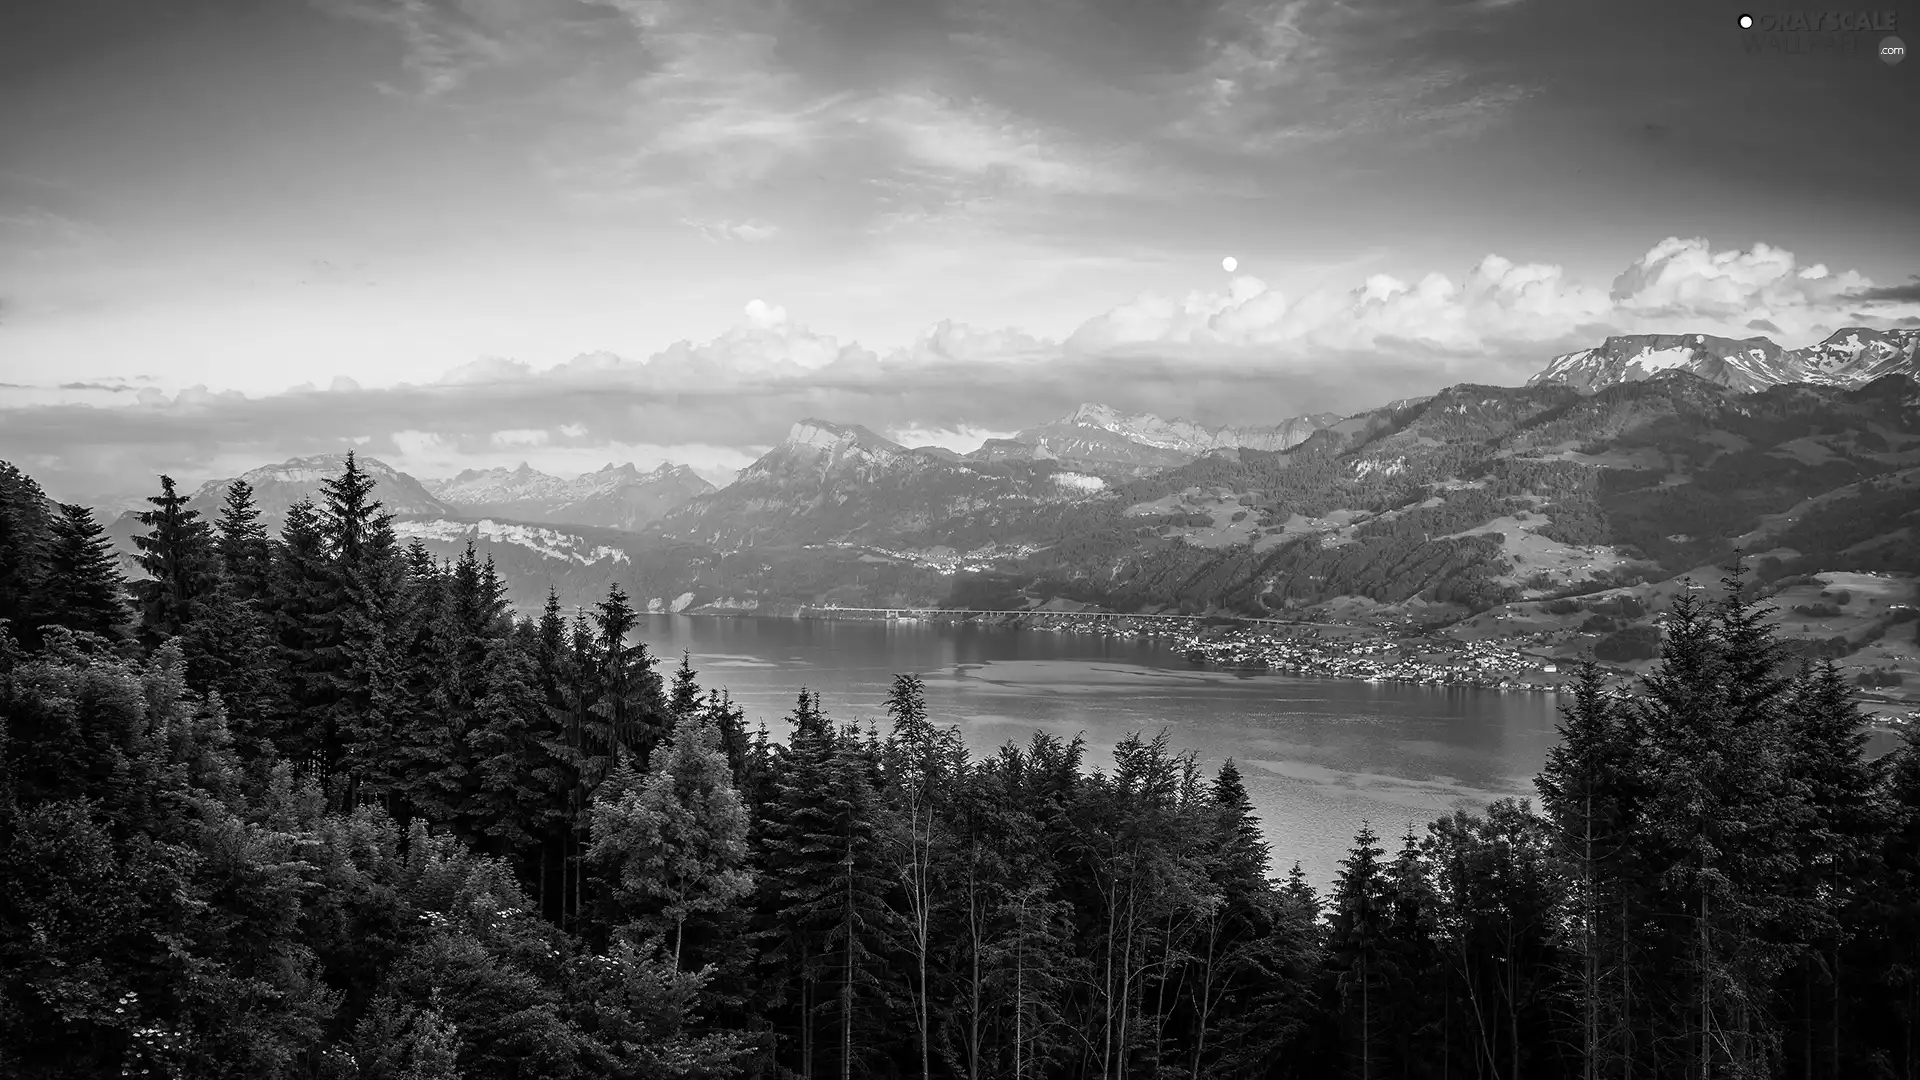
[(1892, 50), (1746, 22)]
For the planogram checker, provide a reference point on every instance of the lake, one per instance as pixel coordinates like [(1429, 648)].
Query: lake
[(1319, 755)]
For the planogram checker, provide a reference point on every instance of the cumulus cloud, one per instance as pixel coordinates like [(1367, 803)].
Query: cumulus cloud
[(1242, 354), (1679, 285), (1498, 300), (961, 440)]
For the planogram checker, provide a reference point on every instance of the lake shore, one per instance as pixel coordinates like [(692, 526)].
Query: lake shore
[(1295, 648)]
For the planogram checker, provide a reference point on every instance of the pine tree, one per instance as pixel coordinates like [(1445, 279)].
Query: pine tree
[(246, 555), (1720, 819), (24, 529), (351, 518), (631, 712), (1839, 850), (177, 554), (1360, 911), (230, 651), (823, 906), (306, 626), (1233, 951), (1415, 981), (82, 588), (364, 660), (685, 696), (1589, 792)]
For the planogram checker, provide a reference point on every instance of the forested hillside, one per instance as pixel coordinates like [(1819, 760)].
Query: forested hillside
[(1476, 497), (316, 804)]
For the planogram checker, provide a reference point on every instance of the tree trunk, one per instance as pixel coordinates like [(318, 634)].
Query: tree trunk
[(846, 986), (1019, 985)]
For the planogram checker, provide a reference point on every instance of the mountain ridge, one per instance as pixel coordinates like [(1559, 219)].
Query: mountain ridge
[(617, 496), (1851, 356)]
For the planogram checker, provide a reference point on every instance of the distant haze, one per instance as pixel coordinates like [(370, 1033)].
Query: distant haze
[(571, 232)]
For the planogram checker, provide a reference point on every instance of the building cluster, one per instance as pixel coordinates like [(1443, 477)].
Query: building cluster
[(1430, 663)]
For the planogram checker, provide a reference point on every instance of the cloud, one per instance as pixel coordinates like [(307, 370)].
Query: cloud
[(747, 231), (37, 233), (1499, 307), (447, 44), (1242, 354), (1908, 292), (1280, 73), (962, 440), (1498, 299), (513, 437)]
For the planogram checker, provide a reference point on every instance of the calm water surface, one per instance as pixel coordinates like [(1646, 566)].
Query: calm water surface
[(1319, 755)]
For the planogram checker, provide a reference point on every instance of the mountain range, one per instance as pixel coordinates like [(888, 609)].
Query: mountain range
[(615, 497), (1853, 356), (1618, 468), (1098, 435)]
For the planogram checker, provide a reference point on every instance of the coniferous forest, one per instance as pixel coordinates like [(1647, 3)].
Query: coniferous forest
[(318, 805)]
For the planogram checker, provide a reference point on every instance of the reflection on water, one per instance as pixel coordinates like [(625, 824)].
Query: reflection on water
[(1319, 756)]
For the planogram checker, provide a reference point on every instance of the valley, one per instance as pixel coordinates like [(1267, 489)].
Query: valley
[(1541, 522)]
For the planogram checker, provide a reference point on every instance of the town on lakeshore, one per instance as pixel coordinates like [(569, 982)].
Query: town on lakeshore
[(1530, 661)]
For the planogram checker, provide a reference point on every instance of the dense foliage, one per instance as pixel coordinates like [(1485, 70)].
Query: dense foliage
[(316, 805)]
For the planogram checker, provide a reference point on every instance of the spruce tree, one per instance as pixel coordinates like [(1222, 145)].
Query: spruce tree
[(82, 588), (246, 555), (306, 625), (177, 554), (366, 663), (631, 712), (230, 651), (1357, 923), (1590, 790), (24, 529), (685, 697)]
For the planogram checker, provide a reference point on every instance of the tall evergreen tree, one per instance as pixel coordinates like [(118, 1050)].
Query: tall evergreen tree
[(630, 711), (177, 554), (82, 588), (1590, 790), (24, 528), (306, 625), (685, 697), (246, 555), (1360, 911), (230, 651)]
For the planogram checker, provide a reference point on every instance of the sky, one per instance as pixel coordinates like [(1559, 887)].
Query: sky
[(467, 233)]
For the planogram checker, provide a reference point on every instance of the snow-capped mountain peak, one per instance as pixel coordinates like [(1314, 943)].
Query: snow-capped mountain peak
[(1094, 432), (1849, 357), (617, 495)]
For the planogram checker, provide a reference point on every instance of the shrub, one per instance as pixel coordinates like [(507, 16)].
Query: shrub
[(1629, 643), (1816, 611), (1599, 624)]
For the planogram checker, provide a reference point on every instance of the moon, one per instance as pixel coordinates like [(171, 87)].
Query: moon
[(1229, 263)]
